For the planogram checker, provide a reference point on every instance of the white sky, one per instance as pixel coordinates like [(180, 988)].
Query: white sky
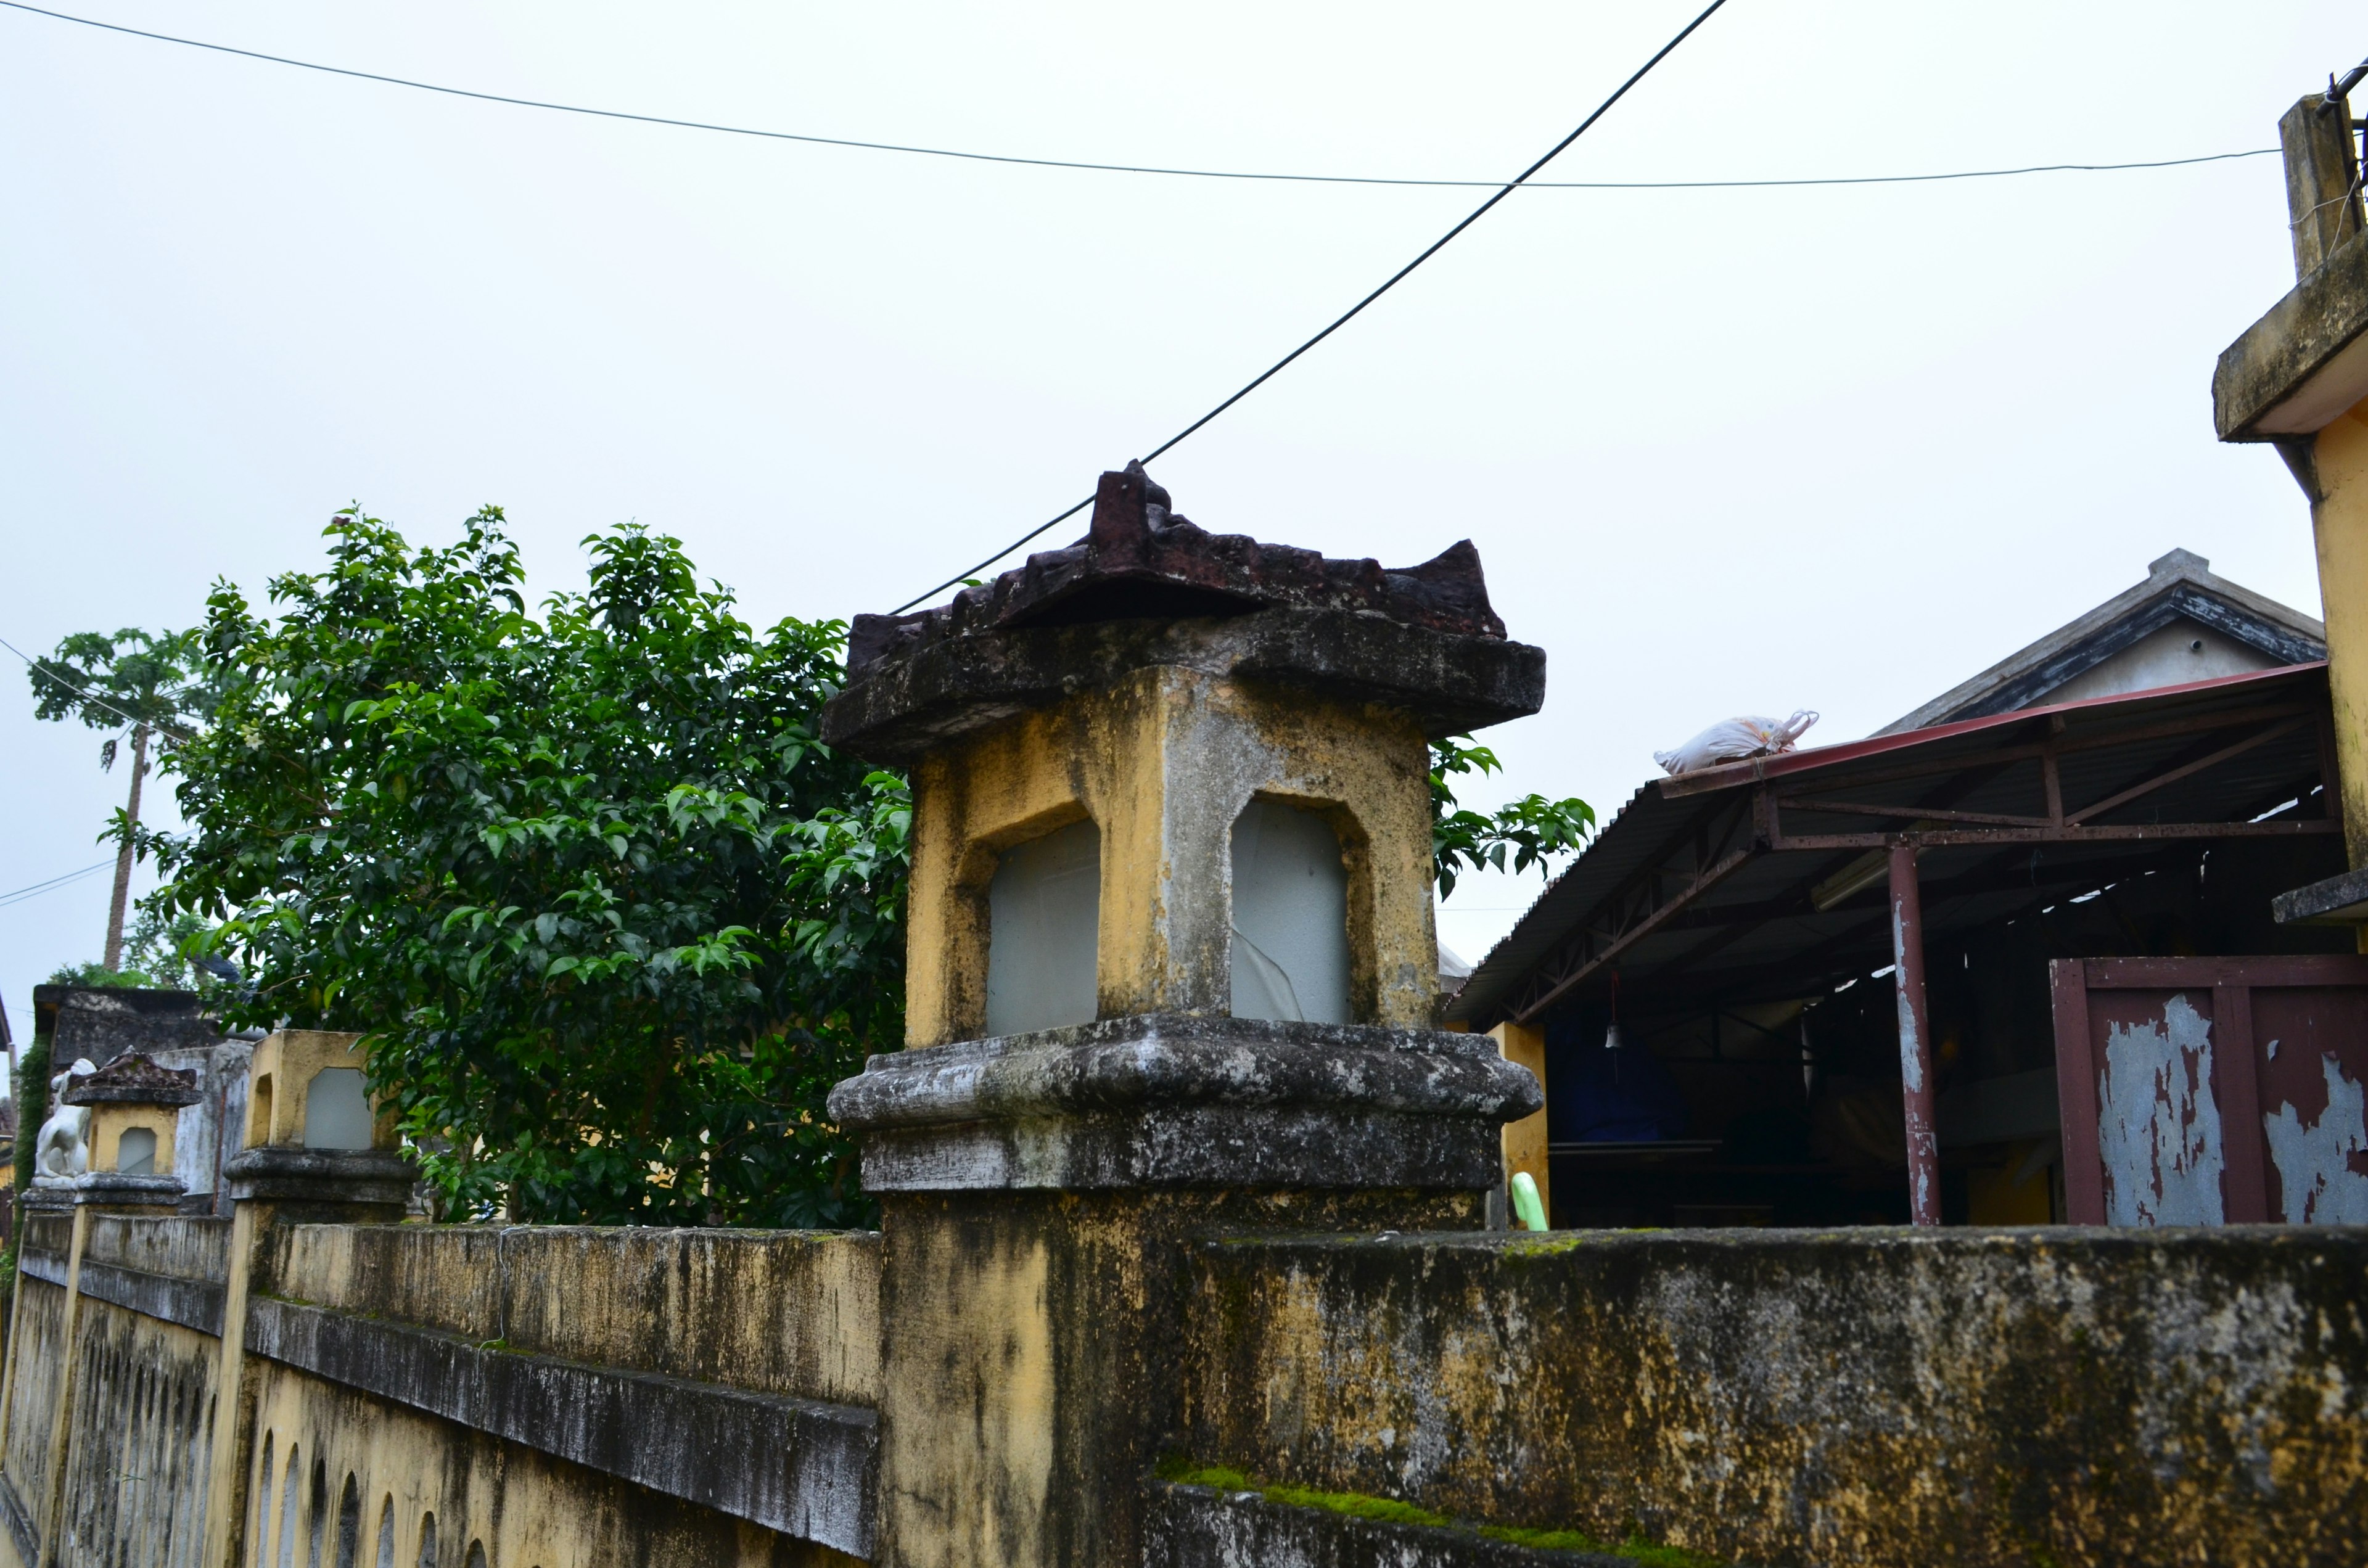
[(1722, 452)]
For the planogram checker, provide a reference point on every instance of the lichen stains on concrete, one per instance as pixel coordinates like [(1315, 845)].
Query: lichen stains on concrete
[(1975, 1398), (791, 1313)]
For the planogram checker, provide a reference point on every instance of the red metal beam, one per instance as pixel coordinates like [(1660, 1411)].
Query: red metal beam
[(2174, 775), (2133, 832), (1915, 1038), (1709, 878)]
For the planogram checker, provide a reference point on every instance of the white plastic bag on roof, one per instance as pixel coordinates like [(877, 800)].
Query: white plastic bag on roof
[(1732, 740)]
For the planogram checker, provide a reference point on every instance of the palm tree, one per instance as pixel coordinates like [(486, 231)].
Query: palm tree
[(144, 686)]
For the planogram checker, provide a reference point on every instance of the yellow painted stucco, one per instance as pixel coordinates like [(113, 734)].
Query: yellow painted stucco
[(109, 1120), (1525, 1141), (285, 1066), (1162, 763), (2339, 520)]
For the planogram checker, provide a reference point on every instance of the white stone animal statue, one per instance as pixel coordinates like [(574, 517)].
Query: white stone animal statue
[(62, 1150)]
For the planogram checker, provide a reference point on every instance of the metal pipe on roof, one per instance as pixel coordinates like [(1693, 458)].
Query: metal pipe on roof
[(1915, 1037)]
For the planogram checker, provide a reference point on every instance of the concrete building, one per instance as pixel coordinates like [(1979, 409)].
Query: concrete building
[(2182, 624)]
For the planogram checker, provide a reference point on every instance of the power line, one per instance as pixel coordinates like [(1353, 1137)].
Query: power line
[(1351, 313), (37, 889), (1107, 169)]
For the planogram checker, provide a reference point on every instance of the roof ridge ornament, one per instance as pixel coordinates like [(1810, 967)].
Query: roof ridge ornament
[(1141, 560)]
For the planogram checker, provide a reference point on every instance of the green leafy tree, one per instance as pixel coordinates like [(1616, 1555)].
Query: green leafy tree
[(613, 918), (1530, 831), (156, 952), (146, 686)]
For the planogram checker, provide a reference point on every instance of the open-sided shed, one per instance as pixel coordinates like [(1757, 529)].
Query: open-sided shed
[(1726, 920)]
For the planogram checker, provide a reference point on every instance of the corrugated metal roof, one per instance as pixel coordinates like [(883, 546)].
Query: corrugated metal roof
[(1760, 918)]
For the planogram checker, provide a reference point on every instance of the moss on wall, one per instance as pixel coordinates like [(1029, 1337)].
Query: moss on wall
[(1390, 1511), (1870, 1397)]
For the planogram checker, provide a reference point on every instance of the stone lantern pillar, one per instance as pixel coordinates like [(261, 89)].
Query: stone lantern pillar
[(315, 1149), (134, 1108), (1170, 970)]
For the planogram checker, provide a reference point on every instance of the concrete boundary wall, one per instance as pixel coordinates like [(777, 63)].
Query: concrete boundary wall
[(527, 1389), (565, 1398), (2029, 1396)]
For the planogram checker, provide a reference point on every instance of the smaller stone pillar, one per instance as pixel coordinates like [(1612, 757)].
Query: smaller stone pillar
[(1171, 806), (132, 1105), (316, 1149)]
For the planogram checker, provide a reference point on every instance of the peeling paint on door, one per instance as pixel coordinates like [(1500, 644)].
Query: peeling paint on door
[(2159, 1122), (2318, 1164)]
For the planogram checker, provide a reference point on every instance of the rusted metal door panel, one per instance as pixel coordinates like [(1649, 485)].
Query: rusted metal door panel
[(2213, 1091)]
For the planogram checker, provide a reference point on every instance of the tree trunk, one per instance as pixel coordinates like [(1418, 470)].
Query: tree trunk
[(123, 857)]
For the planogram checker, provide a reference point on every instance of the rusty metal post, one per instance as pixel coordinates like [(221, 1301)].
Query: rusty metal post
[(1915, 1035)]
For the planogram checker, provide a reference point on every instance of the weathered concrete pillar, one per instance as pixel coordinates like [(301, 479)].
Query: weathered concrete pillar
[(2322, 165), (2298, 379), (1226, 983), (314, 1149)]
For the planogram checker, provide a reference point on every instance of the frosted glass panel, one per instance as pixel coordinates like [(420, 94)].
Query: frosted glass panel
[(337, 1110), (1290, 917), (1044, 918), (136, 1154)]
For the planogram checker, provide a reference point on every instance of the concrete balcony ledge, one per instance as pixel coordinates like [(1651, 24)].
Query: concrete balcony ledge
[(2305, 362), (1167, 1099), (2338, 901), (340, 1176)]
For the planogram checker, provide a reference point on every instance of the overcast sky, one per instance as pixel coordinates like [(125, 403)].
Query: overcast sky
[(1723, 451)]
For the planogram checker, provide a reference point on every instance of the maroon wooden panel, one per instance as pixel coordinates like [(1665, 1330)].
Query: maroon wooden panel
[(2210, 1091)]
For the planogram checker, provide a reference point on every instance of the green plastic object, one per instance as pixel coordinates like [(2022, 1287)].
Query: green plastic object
[(1527, 1206)]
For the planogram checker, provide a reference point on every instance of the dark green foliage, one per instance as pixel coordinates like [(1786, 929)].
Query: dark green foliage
[(614, 919), (33, 1092), (1532, 829), (155, 953), (98, 974)]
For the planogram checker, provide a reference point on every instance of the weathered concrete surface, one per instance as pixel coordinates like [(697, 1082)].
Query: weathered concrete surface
[(781, 1313), (323, 1184), (183, 1248), (2304, 362), (101, 1022), (36, 1376), (1033, 1369), (1146, 587), (2026, 1397), (192, 1303), (949, 691), (799, 1466), (137, 1455), (1162, 1099), (485, 1500)]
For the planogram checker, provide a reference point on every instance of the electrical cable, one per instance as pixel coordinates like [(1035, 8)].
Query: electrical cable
[(1351, 313), (37, 889), (1107, 169)]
